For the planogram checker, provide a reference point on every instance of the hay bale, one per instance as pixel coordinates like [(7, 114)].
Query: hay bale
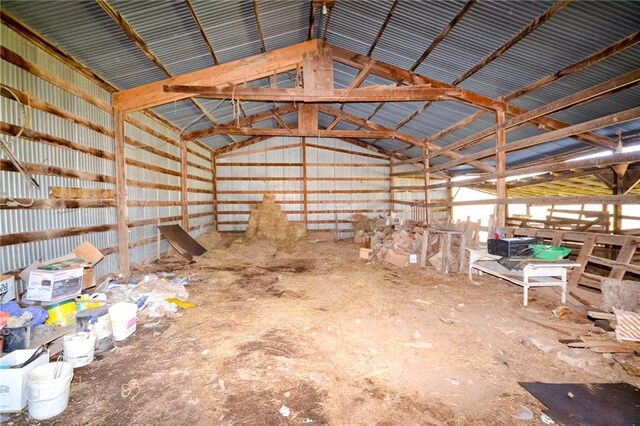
[(361, 223), (269, 222)]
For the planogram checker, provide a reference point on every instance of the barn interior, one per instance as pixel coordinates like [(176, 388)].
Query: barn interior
[(322, 211)]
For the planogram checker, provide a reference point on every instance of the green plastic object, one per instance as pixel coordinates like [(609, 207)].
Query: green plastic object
[(542, 251)]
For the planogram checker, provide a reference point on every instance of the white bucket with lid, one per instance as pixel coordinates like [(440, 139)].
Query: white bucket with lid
[(123, 319), (78, 348), (48, 389)]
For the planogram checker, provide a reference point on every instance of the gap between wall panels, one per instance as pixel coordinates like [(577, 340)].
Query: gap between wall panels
[(69, 144)]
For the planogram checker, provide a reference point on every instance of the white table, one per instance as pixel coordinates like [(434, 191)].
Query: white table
[(534, 274)]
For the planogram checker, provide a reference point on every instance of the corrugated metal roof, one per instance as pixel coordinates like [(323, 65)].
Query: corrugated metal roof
[(577, 31)]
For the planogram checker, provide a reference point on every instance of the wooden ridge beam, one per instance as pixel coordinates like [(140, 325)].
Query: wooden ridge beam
[(367, 94)]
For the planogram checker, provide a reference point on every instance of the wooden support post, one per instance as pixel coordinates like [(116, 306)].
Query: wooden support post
[(449, 199), (305, 198), (121, 189), (214, 179), (184, 179), (392, 192), (425, 152), (501, 184), (617, 207), (308, 119)]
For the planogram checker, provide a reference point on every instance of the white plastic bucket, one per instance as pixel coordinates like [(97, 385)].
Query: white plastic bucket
[(48, 396), (78, 348), (123, 319)]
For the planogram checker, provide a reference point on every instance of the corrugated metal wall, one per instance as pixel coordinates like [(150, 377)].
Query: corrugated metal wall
[(342, 179), (75, 149)]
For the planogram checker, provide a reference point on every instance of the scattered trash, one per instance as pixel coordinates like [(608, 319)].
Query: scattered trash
[(221, 385), (419, 345), (285, 411), (205, 352), (446, 320), (287, 394), (151, 324), (455, 382), (131, 390), (546, 419), (525, 414), (38, 314), (161, 309), (416, 335)]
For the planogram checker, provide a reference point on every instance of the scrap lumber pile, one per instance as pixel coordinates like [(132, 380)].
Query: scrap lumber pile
[(389, 239), (615, 329), (397, 242)]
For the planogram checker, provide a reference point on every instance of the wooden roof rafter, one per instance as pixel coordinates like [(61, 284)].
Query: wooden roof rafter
[(208, 43), (578, 98), (434, 43), (392, 9), (601, 55), (536, 23), (133, 35), (393, 134), (395, 73)]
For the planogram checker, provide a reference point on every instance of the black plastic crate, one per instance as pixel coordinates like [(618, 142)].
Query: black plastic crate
[(511, 247)]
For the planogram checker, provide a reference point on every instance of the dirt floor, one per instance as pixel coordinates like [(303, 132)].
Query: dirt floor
[(307, 334)]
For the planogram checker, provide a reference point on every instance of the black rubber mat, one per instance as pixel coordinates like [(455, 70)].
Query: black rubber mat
[(181, 241), (605, 404)]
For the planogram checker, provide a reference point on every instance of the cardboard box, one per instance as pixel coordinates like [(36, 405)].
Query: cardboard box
[(7, 288), (358, 238), (85, 256), (400, 260), (52, 286), (13, 382), (365, 253)]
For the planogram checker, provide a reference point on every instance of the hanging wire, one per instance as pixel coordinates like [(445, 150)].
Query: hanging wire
[(185, 128), (33, 184)]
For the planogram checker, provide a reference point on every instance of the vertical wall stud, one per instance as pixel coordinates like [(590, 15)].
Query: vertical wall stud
[(184, 179), (425, 155), (214, 179), (121, 189), (501, 166), (305, 198)]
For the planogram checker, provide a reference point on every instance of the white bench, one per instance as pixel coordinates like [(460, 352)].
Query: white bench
[(534, 274)]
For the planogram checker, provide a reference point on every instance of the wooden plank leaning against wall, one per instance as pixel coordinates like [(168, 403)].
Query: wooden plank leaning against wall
[(27, 66)]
